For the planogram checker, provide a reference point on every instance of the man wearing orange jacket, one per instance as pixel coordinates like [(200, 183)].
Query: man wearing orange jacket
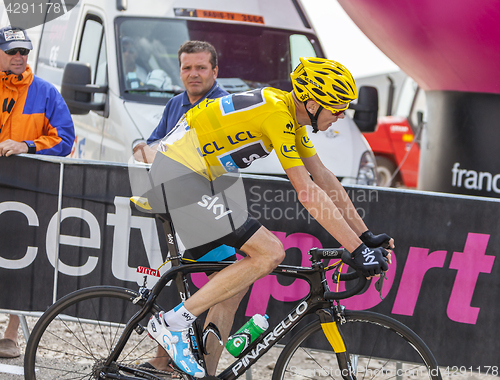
[(34, 118)]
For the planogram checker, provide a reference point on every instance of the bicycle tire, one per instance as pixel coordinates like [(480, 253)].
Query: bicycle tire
[(384, 349), (76, 334)]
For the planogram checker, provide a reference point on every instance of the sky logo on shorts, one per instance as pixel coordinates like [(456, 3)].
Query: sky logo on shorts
[(289, 151), (210, 203)]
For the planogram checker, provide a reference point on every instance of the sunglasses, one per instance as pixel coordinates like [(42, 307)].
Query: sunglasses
[(337, 113), (21, 51)]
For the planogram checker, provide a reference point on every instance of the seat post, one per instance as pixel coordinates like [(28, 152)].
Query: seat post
[(173, 251)]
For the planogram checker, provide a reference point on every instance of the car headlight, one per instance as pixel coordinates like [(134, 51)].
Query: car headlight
[(367, 173)]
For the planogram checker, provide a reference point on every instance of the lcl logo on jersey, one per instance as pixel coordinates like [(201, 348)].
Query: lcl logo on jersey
[(306, 142), (289, 151)]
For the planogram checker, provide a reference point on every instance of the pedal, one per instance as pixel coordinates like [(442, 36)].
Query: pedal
[(211, 329)]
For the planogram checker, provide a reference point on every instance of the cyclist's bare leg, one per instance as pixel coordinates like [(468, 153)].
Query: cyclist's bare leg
[(264, 253), (221, 315)]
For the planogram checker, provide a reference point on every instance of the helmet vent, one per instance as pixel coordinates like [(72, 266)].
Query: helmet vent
[(341, 84), (333, 96), (298, 89), (320, 80), (340, 89), (326, 81), (318, 91)]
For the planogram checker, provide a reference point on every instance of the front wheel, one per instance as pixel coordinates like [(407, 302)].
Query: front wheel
[(74, 337), (380, 348)]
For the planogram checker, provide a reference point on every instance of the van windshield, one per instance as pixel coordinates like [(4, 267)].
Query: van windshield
[(250, 56)]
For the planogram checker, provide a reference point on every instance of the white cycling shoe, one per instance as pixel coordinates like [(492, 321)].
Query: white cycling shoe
[(176, 343)]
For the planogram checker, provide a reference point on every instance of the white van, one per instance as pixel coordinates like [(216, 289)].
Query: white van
[(258, 43)]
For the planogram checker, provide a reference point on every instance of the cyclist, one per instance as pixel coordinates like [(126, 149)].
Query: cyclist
[(218, 136)]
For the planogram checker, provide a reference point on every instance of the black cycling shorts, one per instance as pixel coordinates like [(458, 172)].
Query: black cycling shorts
[(205, 213)]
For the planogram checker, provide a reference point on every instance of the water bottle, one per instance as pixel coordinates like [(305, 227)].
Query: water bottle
[(250, 331)]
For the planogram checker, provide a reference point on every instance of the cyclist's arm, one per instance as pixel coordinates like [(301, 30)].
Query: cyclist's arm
[(321, 207), (326, 180), (145, 153)]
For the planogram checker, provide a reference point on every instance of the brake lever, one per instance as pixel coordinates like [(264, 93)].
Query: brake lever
[(380, 283)]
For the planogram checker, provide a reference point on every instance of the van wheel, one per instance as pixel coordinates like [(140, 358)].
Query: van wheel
[(385, 170)]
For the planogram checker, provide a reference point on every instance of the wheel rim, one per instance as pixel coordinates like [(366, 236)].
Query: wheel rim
[(77, 339), (383, 355)]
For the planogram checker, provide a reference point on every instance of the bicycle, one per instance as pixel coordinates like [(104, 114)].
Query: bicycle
[(338, 343)]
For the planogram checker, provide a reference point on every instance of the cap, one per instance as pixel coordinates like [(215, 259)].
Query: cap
[(11, 38)]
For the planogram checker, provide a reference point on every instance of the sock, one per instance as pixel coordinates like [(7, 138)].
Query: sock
[(179, 318)]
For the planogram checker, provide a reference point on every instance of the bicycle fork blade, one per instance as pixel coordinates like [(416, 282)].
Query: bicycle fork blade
[(334, 336)]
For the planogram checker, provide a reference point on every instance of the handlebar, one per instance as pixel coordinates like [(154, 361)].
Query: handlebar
[(317, 254), (351, 292)]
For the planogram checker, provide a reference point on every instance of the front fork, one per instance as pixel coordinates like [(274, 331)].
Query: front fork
[(329, 320)]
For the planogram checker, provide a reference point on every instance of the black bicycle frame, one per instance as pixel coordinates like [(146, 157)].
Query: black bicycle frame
[(317, 299)]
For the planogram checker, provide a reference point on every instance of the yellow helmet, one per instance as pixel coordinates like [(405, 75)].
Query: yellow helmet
[(325, 81)]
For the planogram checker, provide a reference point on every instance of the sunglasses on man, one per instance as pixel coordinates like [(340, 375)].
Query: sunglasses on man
[(21, 51), (337, 113)]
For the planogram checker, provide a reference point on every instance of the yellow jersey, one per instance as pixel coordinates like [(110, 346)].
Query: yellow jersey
[(233, 131)]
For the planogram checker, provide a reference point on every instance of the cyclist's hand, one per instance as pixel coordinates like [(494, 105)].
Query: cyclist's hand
[(369, 261), (375, 241)]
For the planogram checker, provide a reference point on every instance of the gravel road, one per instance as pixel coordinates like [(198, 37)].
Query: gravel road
[(12, 369)]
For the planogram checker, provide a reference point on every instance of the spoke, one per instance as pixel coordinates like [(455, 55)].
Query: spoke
[(64, 372), (96, 314), (86, 339), (88, 355), (66, 353), (308, 353), (293, 373), (87, 349), (135, 347)]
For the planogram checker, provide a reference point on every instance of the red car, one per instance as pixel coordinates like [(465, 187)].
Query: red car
[(395, 142)]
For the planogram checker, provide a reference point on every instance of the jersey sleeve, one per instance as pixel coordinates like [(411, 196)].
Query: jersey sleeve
[(280, 129), (304, 145)]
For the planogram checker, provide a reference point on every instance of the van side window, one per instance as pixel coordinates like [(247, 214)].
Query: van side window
[(101, 76), (93, 51), (300, 46), (56, 43)]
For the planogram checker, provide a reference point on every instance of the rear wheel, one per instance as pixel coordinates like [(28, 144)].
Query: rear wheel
[(75, 336), (380, 348)]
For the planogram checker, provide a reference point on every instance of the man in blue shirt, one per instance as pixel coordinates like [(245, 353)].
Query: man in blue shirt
[(198, 72)]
